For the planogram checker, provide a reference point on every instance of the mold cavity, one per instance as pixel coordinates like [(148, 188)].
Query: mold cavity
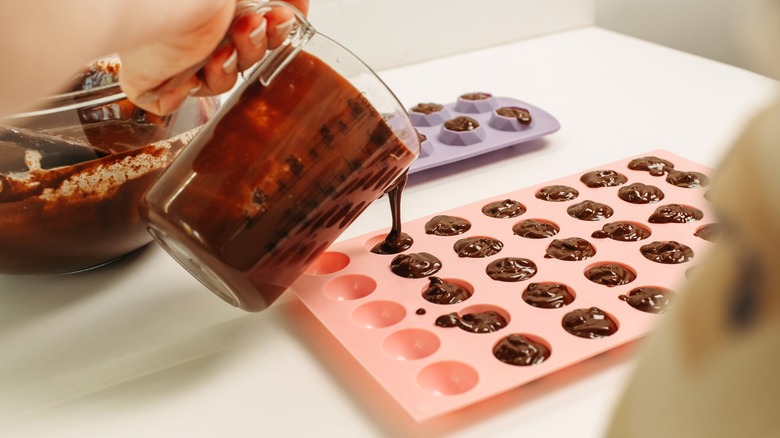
[(349, 287), (481, 318), (462, 138), (447, 378), (411, 344), (328, 263), (378, 314), (447, 290), (610, 274), (521, 349)]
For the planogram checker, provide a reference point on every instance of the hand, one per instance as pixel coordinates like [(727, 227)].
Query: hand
[(196, 58)]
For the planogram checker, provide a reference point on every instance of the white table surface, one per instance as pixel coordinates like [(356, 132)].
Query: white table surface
[(138, 348)]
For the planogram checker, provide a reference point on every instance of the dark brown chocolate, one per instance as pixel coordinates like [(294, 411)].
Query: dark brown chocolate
[(420, 311), (592, 323), (649, 299), (639, 193), (479, 322), (461, 124), (603, 178), (548, 295), (610, 274), (511, 269), (689, 180), (521, 114), (415, 265), (675, 214), (476, 96), (427, 108), (396, 240), (557, 193), (444, 292), (535, 229), (654, 165), (477, 247), (507, 208), (622, 231), (668, 252), (421, 138), (444, 225), (709, 232), (570, 249), (590, 211), (521, 350)]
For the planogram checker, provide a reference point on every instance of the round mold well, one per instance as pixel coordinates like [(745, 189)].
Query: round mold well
[(476, 106), (411, 344), (610, 273), (349, 287), (456, 281), (378, 314), (327, 263), (447, 378)]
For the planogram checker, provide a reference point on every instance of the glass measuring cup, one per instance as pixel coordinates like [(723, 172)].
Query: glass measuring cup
[(306, 143)]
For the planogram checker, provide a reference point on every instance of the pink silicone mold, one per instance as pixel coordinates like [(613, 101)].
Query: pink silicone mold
[(495, 131), (389, 327)]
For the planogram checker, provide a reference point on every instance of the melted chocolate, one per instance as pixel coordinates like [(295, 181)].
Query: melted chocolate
[(610, 274), (548, 295), (689, 180), (590, 211), (508, 208), (534, 229), (420, 311), (649, 299), (638, 193), (461, 124), (427, 108), (622, 232), (603, 178), (521, 114), (592, 323), (557, 193), (709, 232), (675, 214), (476, 96), (443, 292), (667, 252), (478, 322), (654, 165), (521, 350), (443, 225), (570, 249), (511, 269), (477, 247), (396, 240), (421, 138), (415, 265)]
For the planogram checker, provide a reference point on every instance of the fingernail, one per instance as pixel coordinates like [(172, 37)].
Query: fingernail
[(194, 90), (230, 66), (283, 29), (258, 35), (148, 97)]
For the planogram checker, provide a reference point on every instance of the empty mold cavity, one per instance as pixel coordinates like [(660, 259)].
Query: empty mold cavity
[(448, 378), (328, 263), (378, 314), (411, 344), (349, 287), (476, 103)]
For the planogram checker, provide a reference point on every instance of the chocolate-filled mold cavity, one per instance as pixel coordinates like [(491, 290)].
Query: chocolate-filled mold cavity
[(590, 211), (511, 269), (688, 180), (610, 274), (349, 287), (649, 299), (675, 214), (535, 229), (462, 131), (378, 314), (520, 349), (476, 103), (447, 378), (446, 225), (415, 265), (476, 319), (557, 193), (427, 108), (667, 252), (393, 245), (447, 291), (429, 114), (511, 118), (570, 249), (591, 323), (426, 146), (328, 262), (653, 165), (503, 209), (603, 178), (640, 193), (709, 232), (548, 295), (411, 344), (477, 247), (623, 231)]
